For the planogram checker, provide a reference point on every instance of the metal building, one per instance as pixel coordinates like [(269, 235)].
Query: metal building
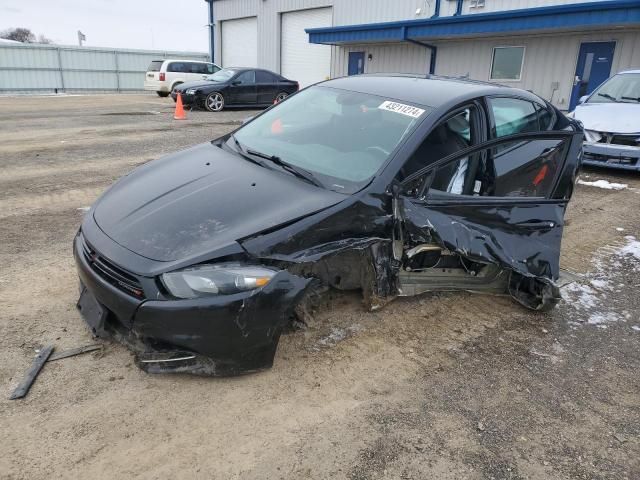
[(29, 68), (560, 49)]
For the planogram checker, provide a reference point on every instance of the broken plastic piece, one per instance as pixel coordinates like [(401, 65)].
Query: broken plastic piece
[(38, 362)]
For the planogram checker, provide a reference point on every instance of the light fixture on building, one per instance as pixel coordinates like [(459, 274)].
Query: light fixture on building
[(370, 57)]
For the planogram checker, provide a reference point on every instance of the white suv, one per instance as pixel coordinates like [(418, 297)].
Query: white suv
[(164, 75)]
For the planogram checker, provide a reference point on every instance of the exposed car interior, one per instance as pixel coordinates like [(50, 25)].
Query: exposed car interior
[(514, 169)]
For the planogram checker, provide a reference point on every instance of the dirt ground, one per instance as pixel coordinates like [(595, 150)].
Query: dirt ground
[(443, 386)]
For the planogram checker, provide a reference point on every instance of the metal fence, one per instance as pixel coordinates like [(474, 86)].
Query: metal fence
[(58, 68)]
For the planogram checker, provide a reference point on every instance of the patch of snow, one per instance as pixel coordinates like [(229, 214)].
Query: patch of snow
[(589, 299), (604, 184), (84, 209), (636, 328), (600, 284), (631, 248), (620, 229), (584, 297)]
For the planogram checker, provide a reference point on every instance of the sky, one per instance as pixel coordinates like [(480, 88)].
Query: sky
[(143, 24)]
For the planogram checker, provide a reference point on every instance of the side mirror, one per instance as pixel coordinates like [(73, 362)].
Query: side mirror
[(583, 99), (236, 82)]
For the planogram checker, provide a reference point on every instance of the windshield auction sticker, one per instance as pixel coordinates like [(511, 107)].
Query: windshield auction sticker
[(401, 108)]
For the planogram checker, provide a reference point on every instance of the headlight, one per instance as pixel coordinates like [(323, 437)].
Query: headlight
[(191, 91), (592, 136), (221, 279)]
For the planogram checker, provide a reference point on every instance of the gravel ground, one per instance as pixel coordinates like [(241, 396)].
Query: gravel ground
[(446, 386)]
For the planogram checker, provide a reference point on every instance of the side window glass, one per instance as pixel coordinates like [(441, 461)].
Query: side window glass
[(198, 68), (246, 78), (514, 169), (454, 134), (545, 118), (176, 67), (512, 115), (211, 68), (263, 77)]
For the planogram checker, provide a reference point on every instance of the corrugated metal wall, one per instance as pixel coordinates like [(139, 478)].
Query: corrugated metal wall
[(30, 68), (548, 59), (448, 7), (402, 58)]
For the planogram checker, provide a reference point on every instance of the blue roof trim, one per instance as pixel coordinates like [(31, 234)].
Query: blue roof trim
[(601, 13)]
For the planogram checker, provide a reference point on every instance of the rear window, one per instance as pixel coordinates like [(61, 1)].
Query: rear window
[(155, 66)]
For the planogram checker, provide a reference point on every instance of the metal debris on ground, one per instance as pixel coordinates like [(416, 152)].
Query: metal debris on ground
[(75, 351), (38, 362)]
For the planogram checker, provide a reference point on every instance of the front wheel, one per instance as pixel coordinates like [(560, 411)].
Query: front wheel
[(214, 102), (281, 96), (163, 94)]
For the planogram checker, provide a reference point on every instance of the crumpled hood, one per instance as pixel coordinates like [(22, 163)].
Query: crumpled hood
[(610, 117), (199, 200)]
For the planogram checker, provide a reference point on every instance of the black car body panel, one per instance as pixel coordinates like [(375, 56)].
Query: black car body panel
[(208, 205), (166, 210)]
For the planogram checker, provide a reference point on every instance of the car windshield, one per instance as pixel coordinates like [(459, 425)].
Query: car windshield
[(221, 75), (620, 88), (341, 137)]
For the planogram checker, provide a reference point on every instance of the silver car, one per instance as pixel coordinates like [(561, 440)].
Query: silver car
[(611, 119)]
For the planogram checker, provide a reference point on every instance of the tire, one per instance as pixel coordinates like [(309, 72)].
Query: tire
[(163, 94), (214, 102), (280, 97)]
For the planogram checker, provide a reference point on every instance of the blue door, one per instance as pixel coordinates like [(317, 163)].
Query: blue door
[(594, 67), (356, 63)]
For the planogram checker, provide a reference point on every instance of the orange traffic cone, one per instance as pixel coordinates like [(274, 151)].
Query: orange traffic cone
[(179, 114)]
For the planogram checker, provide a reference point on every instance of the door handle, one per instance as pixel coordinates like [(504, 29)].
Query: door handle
[(536, 225)]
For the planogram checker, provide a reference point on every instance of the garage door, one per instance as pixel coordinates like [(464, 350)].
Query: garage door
[(240, 42), (300, 60)]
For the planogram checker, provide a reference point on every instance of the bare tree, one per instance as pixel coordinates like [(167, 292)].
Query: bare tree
[(43, 39), (23, 35)]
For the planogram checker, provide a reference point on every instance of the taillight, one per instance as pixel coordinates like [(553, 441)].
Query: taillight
[(162, 76)]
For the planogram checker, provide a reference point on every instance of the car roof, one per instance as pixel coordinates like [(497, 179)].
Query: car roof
[(181, 60), (429, 90)]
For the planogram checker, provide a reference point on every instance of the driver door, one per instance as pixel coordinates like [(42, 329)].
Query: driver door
[(500, 202), (242, 90)]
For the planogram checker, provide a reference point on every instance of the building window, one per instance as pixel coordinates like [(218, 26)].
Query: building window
[(476, 4), (507, 63)]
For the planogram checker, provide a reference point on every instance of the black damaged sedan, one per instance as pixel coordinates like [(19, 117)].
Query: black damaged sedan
[(392, 185), (236, 87)]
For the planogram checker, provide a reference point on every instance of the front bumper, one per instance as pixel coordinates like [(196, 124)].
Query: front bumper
[(608, 155), (188, 100), (218, 335)]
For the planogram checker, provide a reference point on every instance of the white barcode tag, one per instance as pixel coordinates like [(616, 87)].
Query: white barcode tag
[(408, 110)]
